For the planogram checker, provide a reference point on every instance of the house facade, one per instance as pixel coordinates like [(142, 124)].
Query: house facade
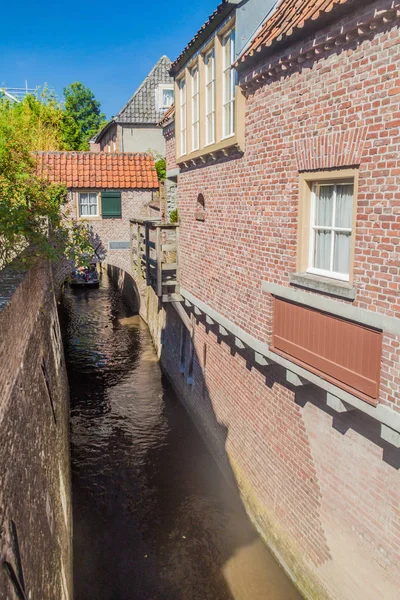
[(284, 339), (136, 126), (104, 192)]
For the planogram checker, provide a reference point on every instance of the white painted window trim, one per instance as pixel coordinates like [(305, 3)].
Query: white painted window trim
[(183, 115), (228, 99), (160, 90), (313, 228), (195, 79), (97, 205), (210, 84)]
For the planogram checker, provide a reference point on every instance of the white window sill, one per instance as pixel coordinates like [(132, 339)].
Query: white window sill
[(227, 137), (323, 285)]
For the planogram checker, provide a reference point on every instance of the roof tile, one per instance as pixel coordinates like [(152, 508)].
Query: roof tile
[(100, 170), (288, 16)]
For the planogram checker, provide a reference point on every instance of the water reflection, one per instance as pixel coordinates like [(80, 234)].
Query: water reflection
[(153, 518)]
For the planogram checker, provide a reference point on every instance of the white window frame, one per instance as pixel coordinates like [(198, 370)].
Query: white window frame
[(195, 80), (81, 216), (182, 116), (210, 84), (333, 229), (229, 99), (161, 88)]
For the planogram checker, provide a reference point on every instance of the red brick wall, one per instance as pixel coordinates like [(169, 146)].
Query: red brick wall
[(134, 203), (324, 488), (250, 232), (169, 135), (34, 446)]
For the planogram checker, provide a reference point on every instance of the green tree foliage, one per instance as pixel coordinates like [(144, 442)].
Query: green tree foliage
[(161, 168), (32, 211), (82, 107), (173, 216)]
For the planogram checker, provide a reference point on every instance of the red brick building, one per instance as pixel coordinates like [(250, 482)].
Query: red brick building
[(286, 344), (106, 190)]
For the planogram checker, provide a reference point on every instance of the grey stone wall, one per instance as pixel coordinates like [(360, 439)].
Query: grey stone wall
[(171, 190), (35, 496)]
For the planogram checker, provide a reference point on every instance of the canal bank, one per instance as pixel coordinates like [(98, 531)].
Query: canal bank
[(153, 517)]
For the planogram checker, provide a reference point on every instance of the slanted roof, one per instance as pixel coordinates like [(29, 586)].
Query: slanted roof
[(168, 117), (219, 14), (98, 170), (142, 107), (288, 18)]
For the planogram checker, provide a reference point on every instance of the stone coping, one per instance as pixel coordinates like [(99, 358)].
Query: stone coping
[(385, 415), (334, 307)]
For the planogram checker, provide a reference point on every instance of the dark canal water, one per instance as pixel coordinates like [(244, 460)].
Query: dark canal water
[(153, 518)]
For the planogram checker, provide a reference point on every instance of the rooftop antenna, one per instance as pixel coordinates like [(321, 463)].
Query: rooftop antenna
[(17, 94)]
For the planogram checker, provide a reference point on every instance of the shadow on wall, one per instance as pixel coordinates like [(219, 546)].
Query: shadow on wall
[(246, 552), (127, 286), (274, 433), (355, 420)]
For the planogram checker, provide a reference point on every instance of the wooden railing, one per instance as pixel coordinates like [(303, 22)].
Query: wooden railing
[(154, 248)]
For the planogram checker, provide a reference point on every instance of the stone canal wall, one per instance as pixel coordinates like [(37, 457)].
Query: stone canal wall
[(35, 497)]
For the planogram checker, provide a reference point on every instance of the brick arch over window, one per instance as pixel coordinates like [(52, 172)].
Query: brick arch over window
[(200, 213), (331, 150)]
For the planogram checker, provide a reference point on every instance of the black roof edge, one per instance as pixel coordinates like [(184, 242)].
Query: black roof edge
[(219, 15), (96, 138)]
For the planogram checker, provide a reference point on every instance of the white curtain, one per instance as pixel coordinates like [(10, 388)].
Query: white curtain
[(324, 208), (322, 250), (344, 206)]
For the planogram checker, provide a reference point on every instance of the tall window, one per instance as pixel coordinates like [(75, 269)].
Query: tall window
[(209, 61), (331, 229), (182, 104), (228, 84), (195, 108), (88, 204)]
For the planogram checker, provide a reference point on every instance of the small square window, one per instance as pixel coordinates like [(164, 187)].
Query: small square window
[(165, 96), (88, 204)]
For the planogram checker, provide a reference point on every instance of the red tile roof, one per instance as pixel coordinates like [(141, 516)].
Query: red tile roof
[(290, 15), (98, 170), (169, 115)]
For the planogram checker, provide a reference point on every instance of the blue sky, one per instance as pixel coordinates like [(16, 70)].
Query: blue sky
[(109, 47)]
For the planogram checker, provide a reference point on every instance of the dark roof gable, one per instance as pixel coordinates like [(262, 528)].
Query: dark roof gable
[(142, 108)]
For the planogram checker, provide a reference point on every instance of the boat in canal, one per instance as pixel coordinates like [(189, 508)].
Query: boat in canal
[(85, 277)]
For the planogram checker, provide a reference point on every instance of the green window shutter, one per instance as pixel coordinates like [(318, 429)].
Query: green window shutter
[(111, 205)]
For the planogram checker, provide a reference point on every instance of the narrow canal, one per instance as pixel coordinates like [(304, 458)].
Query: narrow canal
[(153, 517)]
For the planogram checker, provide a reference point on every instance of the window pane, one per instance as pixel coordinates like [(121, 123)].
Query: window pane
[(195, 133), (341, 254), (167, 97), (227, 86), (227, 119), (322, 253), (324, 205), (344, 205), (210, 98)]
